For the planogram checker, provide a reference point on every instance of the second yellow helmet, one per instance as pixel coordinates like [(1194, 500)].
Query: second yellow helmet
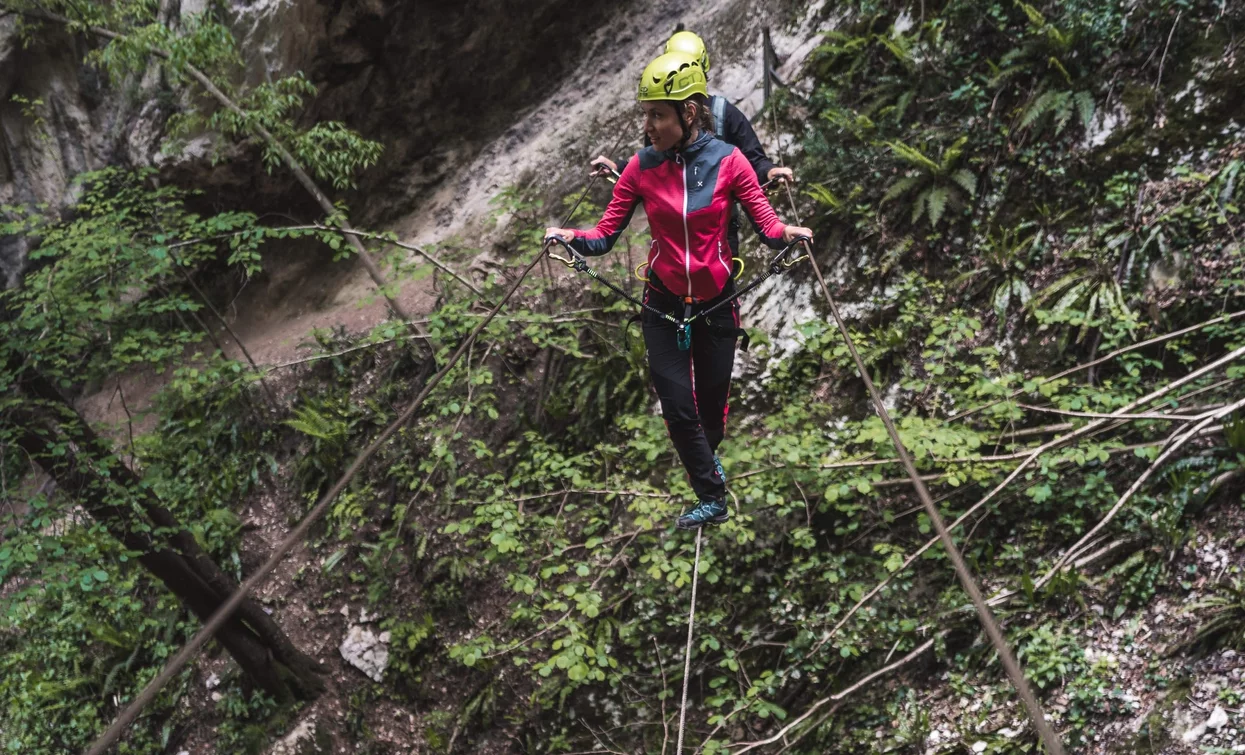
[(692, 44)]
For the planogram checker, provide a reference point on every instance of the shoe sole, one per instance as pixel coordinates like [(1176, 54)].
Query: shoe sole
[(714, 521)]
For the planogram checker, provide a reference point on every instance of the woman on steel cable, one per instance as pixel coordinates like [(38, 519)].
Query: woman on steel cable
[(686, 181)]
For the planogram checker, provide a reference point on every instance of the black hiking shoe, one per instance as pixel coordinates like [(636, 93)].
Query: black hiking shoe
[(708, 511)]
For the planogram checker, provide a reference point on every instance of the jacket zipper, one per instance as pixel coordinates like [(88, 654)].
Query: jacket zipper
[(687, 238)]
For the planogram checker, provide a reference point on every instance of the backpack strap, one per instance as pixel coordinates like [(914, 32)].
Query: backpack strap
[(717, 105)]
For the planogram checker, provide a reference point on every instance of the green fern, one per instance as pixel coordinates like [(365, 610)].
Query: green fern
[(966, 181), (1060, 105), (1085, 296), (824, 197), (900, 187), (937, 184), (1223, 617), (311, 422), (936, 203), (906, 61), (1047, 56), (1002, 261)]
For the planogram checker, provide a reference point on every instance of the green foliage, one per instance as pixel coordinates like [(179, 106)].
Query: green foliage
[(1059, 107), (105, 294), (201, 53), (1000, 274), (246, 721), (81, 627), (1084, 298), (936, 184), (1048, 54), (34, 109), (1221, 616), (522, 531), (1049, 654), (332, 151)]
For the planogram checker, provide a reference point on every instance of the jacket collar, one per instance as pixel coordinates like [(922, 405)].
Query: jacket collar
[(691, 150)]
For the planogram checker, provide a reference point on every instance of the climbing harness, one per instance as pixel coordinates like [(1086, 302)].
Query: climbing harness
[(734, 276), (687, 656), (780, 262)]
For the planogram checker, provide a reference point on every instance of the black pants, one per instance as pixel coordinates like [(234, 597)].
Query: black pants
[(693, 385)]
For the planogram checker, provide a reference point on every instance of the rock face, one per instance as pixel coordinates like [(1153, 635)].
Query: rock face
[(366, 651), (60, 118), (431, 81), (50, 127), (487, 93)]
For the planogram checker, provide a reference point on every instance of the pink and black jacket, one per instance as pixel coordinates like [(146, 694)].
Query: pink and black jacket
[(687, 197)]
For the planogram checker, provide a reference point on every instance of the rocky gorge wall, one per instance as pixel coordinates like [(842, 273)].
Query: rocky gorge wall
[(466, 98)]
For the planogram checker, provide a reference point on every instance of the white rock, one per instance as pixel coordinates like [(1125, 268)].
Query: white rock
[(213, 681), (289, 744), (1194, 734), (1218, 719), (366, 651), (979, 746)]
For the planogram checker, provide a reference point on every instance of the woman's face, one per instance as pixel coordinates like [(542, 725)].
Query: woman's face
[(661, 124)]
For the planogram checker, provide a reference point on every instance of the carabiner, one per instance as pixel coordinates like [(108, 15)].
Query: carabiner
[(804, 241), (637, 272), (739, 274), (553, 241)]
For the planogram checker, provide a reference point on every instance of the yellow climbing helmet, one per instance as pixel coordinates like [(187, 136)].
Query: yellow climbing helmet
[(673, 76), (686, 41)]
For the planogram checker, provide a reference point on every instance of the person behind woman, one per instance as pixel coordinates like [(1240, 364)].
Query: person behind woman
[(686, 180), (729, 124)]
